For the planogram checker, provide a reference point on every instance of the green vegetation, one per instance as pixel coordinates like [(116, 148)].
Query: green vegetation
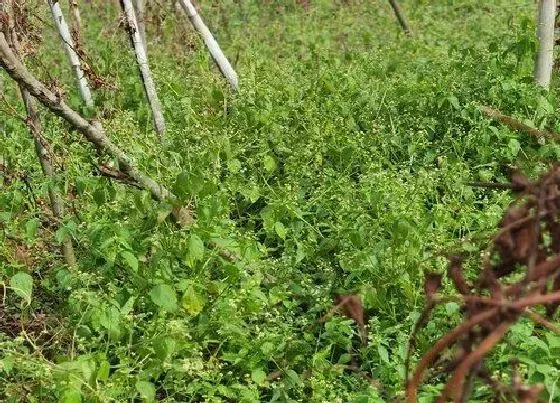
[(339, 167)]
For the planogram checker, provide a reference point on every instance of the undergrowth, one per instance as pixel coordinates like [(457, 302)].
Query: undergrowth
[(339, 167)]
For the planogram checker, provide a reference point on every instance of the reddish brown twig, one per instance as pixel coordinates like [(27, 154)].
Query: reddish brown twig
[(527, 242)]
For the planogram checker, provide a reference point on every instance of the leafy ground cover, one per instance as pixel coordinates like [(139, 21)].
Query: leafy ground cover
[(339, 167)]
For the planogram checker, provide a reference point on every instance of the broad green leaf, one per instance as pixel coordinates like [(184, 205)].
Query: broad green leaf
[(130, 260), (162, 214), (22, 284), (164, 346), (451, 308), (300, 252), (7, 363), (514, 147), (269, 164), (234, 165), (103, 371), (294, 377), (62, 234), (268, 348), (188, 183), (258, 376), (146, 390), (280, 230), (31, 228), (192, 302), (553, 340), (544, 107), (345, 358), (454, 102), (88, 367), (195, 250), (70, 395), (164, 296), (128, 306), (110, 319), (100, 196), (251, 193), (383, 353)]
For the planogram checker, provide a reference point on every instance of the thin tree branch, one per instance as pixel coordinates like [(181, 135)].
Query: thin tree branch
[(140, 19), (516, 124), (142, 59), (213, 47), (42, 147), (400, 17), (68, 43), (93, 134)]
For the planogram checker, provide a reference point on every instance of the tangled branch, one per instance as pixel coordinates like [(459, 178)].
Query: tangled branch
[(525, 248)]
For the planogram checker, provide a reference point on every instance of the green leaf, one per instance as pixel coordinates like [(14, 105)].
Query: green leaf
[(234, 165), (128, 306), (110, 319), (22, 284), (192, 302), (130, 260), (62, 234), (100, 196), (188, 183), (146, 390), (451, 308), (383, 353), (70, 395), (294, 377), (268, 348), (280, 230), (7, 364), (31, 228), (164, 346), (514, 147), (88, 367), (258, 376), (163, 295), (553, 340), (454, 102), (252, 194), (544, 107), (269, 164), (195, 250), (162, 214), (103, 371)]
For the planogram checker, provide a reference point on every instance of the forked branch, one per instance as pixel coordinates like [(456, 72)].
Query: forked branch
[(93, 134)]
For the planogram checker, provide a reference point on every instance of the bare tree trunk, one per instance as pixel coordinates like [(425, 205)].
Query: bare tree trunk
[(42, 147), (68, 44), (42, 150), (75, 18), (140, 12), (400, 17), (545, 34), (213, 47), (93, 134), (142, 59)]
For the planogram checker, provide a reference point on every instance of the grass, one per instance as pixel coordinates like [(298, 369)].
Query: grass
[(337, 168)]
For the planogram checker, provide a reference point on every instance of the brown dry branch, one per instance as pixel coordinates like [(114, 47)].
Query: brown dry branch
[(42, 146), (516, 124), (520, 271), (350, 306), (400, 17), (94, 134)]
